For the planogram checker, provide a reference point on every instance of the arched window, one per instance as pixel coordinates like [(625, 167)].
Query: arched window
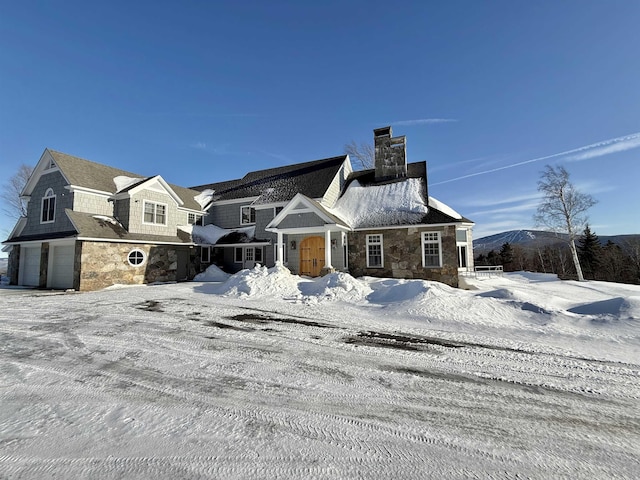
[(48, 212), (136, 257)]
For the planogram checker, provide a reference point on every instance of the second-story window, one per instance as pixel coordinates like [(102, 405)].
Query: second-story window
[(247, 215), (155, 213), (48, 213)]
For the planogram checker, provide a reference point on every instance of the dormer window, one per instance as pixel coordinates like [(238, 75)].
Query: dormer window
[(155, 213), (247, 215), (48, 212)]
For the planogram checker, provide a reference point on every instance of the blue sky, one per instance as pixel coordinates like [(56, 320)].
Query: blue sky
[(487, 93)]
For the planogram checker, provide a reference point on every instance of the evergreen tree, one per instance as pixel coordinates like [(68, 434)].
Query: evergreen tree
[(506, 256), (590, 253), (493, 258)]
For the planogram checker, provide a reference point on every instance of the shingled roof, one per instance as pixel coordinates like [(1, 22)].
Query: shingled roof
[(96, 176), (280, 184), (90, 225)]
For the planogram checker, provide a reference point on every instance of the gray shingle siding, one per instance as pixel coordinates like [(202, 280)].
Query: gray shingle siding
[(226, 216), (301, 220), (90, 203), (64, 200), (263, 217), (335, 188)]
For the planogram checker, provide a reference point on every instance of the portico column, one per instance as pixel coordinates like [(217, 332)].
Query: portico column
[(327, 249), (280, 250)]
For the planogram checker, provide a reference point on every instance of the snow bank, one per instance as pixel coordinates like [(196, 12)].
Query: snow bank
[(390, 291), (212, 274), (334, 286), (261, 281), (390, 204)]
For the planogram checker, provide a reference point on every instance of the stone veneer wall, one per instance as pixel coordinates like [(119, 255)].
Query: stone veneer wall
[(105, 264), (13, 264), (402, 250)]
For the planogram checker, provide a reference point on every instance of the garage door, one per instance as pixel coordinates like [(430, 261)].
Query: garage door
[(30, 266), (60, 274)]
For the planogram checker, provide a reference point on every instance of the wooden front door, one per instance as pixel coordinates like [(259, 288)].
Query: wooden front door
[(311, 256)]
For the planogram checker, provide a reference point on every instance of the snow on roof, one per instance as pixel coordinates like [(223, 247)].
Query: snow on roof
[(446, 209), (123, 182), (211, 234), (204, 197), (376, 205), (104, 218)]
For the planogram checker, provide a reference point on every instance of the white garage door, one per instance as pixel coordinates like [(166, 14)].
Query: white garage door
[(61, 271), (30, 266)]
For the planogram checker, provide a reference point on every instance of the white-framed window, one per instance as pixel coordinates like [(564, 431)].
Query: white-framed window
[(374, 251), (462, 256), (205, 254), (154, 213), (48, 211), (431, 250), (195, 219), (136, 257), (461, 244), (258, 255), (237, 255), (247, 215), (461, 235)]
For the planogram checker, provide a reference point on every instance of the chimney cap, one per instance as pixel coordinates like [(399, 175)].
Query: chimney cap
[(382, 132)]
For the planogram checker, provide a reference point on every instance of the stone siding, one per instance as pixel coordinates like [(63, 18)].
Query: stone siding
[(105, 264), (13, 264), (402, 253)]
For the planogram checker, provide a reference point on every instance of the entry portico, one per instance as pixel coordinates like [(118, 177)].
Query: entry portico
[(316, 238)]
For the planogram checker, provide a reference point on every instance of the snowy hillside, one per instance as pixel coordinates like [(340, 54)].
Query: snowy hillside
[(269, 375), (532, 239)]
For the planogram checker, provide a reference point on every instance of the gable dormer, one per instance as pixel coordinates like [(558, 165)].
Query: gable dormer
[(146, 205)]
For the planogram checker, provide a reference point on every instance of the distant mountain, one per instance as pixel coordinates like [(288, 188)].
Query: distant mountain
[(533, 239)]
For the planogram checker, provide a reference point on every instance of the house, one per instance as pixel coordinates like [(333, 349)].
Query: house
[(89, 226), (321, 216)]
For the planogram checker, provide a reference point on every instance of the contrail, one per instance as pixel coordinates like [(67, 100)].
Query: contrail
[(633, 141)]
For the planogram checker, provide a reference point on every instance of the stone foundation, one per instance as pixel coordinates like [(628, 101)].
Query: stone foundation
[(105, 264)]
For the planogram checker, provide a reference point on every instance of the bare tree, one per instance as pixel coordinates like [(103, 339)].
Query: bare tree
[(563, 208), (13, 205), (363, 156)]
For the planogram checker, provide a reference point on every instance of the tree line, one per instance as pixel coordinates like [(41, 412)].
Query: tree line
[(609, 262)]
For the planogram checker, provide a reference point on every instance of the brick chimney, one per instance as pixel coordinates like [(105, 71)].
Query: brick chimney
[(390, 154)]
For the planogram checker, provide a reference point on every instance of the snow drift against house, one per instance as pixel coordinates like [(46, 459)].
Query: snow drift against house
[(395, 203)]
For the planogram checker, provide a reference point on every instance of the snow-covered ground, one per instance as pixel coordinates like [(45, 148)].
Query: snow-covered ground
[(269, 375)]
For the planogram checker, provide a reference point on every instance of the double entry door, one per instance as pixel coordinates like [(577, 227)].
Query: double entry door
[(311, 256)]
